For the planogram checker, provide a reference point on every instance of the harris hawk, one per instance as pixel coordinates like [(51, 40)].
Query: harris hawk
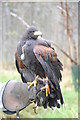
[(35, 58)]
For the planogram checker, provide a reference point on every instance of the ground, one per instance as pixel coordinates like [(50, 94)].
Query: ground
[(69, 94)]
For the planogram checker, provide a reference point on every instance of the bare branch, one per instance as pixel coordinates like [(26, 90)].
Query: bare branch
[(63, 10), (19, 18)]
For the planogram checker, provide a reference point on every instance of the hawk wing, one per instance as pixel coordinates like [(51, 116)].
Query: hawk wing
[(51, 65), (49, 61)]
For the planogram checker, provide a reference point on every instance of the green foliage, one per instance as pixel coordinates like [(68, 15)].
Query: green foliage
[(8, 75)]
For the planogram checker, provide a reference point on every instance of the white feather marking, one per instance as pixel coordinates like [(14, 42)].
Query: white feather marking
[(22, 57), (58, 101)]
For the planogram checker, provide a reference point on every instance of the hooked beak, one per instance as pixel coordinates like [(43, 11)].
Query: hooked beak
[(37, 33)]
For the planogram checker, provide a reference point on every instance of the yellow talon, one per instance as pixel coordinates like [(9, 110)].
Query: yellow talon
[(43, 88), (47, 89), (33, 83)]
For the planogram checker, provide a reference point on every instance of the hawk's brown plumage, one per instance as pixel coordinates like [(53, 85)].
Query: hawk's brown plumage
[(39, 59), (45, 52), (20, 63)]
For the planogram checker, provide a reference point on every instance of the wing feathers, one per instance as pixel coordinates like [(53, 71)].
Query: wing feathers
[(46, 53), (48, 59)]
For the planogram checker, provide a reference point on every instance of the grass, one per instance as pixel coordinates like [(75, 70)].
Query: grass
[(70, 98), (70, 110)]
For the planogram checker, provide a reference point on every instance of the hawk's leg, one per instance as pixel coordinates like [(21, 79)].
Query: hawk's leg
[(34, 82), (46, 87)]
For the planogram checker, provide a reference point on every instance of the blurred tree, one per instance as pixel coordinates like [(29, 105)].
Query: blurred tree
[(72, 48)]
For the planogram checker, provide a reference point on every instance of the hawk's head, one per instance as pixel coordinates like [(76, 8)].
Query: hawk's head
[(32, 33)]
